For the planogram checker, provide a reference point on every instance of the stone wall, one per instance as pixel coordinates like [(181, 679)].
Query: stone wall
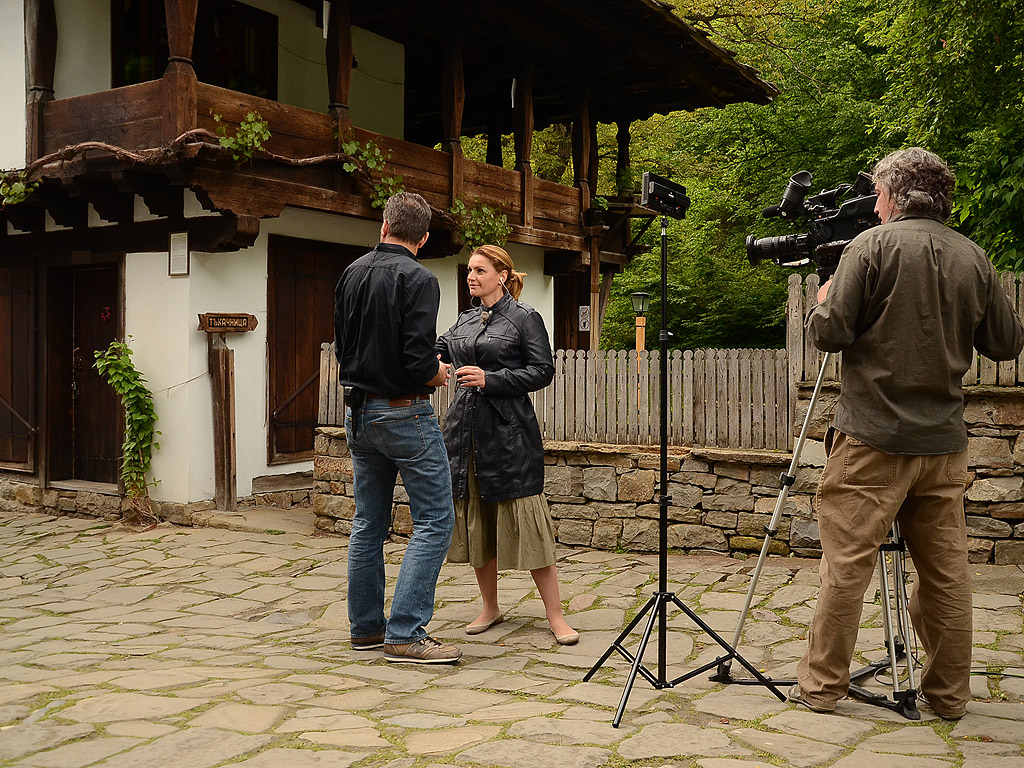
[(605, 496), (19, 494)]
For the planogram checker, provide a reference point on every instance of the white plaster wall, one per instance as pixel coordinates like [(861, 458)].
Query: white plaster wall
[(158, 317), (12, 85), (377, 87), (161, 316), (83, 47)]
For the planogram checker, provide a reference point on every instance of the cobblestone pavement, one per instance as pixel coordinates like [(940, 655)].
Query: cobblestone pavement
[(205, 647)]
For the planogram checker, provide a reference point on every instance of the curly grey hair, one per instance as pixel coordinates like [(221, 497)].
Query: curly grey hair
[(919, 182)]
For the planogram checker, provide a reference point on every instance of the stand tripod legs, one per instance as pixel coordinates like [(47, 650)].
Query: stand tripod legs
[(657, 606)]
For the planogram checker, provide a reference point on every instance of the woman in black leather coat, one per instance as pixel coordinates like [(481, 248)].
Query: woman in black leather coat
[(500, 353)]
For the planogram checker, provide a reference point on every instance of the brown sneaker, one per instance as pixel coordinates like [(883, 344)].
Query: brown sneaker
[(424, 651), (370, 643), (797, 696)]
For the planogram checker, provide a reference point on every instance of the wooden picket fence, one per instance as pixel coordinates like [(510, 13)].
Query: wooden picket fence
[(727, 398), (805, 359), (737, 398)]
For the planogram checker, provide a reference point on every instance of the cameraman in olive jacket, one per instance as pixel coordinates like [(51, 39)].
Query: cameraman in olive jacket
[(910, 301)]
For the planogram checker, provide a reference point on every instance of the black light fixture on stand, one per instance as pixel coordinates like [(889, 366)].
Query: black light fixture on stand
[(670, 200)]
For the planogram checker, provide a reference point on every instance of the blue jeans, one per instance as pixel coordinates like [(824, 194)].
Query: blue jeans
[(384, 441)]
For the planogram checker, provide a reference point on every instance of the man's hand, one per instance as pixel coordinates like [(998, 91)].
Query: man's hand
[(471, 376), (443, 374), (823, 291)]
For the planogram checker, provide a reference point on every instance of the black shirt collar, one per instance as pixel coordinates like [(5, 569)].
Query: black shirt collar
[(396, 249)]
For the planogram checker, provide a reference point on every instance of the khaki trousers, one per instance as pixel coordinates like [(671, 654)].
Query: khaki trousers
[(862, 491)]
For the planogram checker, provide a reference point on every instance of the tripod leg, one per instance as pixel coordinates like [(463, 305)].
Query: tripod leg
[(786, 480), (657, 607), (617, 645), (903, 702)]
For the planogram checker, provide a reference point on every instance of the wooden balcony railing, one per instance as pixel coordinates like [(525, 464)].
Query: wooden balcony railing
[(152, 114)]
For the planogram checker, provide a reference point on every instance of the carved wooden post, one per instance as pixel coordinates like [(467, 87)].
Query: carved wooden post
[(623, 172), (180, 76), (453, 101), (221, 362), (339, 63), (41, 53), (222, 379), (581, 153), (523, 121), (583, 157)]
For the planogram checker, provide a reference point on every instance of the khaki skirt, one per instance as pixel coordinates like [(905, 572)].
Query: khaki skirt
[(518, 532)]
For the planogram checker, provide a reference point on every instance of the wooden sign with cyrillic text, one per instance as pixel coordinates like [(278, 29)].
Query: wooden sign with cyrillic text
[(226, 322)]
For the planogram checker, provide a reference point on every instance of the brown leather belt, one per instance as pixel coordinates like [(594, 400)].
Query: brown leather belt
[(399, 402)]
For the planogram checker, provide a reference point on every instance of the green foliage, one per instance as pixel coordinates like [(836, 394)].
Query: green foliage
[(480, 224), (116, 367), (248, 138), (599, 203), (14, 189), (368, 160), (954, 86)]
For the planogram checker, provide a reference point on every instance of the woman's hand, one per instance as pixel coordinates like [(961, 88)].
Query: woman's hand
[(470, 376)]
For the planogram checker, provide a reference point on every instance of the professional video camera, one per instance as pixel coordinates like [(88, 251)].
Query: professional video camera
[(836, 217)]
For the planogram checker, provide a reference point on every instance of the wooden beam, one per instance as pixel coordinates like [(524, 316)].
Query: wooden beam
[(453, 103), (222, 380), (179, 78), (339, 63), (111, 203), (209, 234), (522, 113), (41, 60), (623, 169), (494, 149), (181, 32), (26, 217), (584, 140), (63, 209), (581, 150), (160, 196)]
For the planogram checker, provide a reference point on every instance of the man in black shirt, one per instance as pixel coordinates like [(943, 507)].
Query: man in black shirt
[(385, 319)]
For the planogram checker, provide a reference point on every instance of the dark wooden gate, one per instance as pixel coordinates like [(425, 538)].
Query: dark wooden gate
[(17, 367), (84, 414), (302, 275)]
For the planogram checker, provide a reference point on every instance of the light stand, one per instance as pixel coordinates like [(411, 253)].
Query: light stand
[(670, 199)]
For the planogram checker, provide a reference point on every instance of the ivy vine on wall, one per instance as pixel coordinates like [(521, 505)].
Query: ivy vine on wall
[(116, 367)]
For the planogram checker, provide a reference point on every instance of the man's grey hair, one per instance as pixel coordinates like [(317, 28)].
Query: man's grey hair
[(408, 217), (919, 182)]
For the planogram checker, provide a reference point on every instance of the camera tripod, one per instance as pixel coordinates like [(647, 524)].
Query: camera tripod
[(893, 593)]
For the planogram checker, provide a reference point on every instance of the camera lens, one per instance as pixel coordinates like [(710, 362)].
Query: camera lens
[(784, 249)]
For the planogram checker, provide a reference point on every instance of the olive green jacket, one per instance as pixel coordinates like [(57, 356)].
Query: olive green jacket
[(910, 301)]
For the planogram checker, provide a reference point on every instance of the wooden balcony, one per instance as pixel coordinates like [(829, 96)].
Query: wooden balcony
[(153, 114)]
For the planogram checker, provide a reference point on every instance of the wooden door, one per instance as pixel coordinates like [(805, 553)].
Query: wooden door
[(302, 275), (85, 420), (17, 373)]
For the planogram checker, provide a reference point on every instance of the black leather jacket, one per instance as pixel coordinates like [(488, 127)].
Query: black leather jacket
[(499, 420)]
